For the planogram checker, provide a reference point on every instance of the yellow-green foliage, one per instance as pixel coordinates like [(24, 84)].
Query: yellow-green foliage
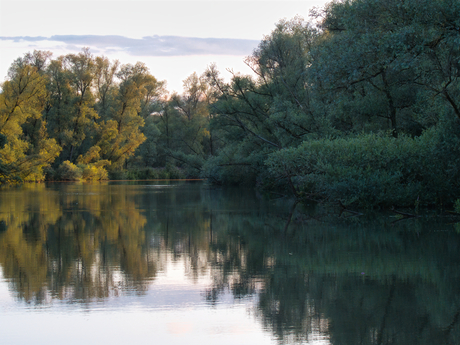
[(92, 172), (68, 171), (24, 155)]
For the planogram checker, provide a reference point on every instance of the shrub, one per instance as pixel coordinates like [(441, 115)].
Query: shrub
[(170, 172), (222, 170), (94, 172), (372, 170), (174, 172), (117, 175), (68, 171)]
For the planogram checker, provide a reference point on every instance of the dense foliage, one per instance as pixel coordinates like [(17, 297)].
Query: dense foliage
[(73, 117), (361, 108), (361, 104)]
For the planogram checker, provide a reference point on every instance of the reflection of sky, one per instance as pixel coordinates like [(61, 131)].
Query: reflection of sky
[(5, 296), (172, 288), (131, 326), (173, 311)]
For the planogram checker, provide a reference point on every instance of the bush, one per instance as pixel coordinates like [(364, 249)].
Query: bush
[(94, 172), (117, 175), (141, 174), (170, 172), (174, 172), (221, 170), (68, 171), (372, 170)]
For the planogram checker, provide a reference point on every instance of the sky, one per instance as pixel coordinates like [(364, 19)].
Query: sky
[(173, 38)]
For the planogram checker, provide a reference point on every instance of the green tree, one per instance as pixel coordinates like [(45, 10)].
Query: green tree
[(120, 133), (264, 114), (25, 153), (105, 84), (81, 69)]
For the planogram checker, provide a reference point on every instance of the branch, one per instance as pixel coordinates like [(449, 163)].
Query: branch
[(250, 131)]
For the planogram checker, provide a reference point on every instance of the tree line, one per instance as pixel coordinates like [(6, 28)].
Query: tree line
[(360, 103)]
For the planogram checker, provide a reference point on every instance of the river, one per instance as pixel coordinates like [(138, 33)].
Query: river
[(186, 262)]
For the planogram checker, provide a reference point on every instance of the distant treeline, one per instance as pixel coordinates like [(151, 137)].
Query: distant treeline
[(361, 105)]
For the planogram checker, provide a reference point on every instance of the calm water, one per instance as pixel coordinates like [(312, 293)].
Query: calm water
[(185, 263)]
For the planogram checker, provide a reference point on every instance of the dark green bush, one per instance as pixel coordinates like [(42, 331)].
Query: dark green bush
[(170, 172), (372, 170)]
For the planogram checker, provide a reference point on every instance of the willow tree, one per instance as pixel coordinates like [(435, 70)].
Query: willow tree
[(120, 130), (267, 112), (24, 155), (96, 110), (387, 67), (384, 64)]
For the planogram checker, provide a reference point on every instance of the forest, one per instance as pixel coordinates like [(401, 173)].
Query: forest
[(359, 104)]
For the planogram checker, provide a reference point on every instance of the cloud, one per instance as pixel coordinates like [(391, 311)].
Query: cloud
[(152, 45)]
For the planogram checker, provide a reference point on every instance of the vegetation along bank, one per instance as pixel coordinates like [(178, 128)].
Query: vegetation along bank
[(359, 104)]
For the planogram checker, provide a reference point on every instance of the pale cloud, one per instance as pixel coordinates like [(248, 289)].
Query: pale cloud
[(173, 69), (148, 46)]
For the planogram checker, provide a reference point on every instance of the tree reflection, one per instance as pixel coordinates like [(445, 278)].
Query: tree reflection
[(357, 281), (360, 280), (76, 245)]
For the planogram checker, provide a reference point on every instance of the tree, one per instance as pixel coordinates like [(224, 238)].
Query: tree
[(81, 69), (273, 110), (381, 59), (105, 84), (120, 133), (96, 110), (24, 154)]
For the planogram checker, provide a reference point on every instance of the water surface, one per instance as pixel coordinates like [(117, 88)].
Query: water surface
[(175, 263)]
